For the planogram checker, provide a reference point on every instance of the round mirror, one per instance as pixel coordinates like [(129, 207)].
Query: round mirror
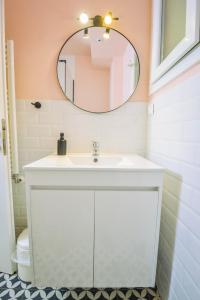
[(98, 69)]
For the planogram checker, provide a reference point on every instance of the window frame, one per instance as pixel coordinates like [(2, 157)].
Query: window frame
[(159, 71)]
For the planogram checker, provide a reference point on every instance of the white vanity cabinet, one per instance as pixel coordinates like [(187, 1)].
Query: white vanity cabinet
[(93, 226)]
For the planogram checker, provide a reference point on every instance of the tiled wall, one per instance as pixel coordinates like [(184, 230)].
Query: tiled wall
[(123, 130), (174, 142)]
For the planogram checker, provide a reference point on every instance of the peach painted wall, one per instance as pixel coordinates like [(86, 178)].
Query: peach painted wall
[(96, 83), (39, 28)]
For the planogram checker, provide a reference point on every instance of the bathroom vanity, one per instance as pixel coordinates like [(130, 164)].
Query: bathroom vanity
[(94, 223)]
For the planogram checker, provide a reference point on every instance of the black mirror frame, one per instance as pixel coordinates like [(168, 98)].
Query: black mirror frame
[(72, 102)]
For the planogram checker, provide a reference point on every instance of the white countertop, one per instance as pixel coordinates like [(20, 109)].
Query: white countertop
[(84, 161)]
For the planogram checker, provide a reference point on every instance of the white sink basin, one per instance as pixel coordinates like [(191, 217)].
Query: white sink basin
[(85, 161), (95, 161)]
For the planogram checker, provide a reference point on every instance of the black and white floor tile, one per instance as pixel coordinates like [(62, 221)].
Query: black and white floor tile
[(11, 287)]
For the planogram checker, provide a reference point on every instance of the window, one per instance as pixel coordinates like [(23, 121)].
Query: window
[(175, 32)]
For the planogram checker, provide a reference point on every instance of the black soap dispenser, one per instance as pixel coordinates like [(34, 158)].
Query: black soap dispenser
[(62, 145)]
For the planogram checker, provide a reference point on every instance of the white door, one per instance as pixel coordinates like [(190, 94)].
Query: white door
[(62, 231), (7, 233), (125, 233)]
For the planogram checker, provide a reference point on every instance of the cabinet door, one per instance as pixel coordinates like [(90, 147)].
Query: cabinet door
[(62, 225), (125, 233)]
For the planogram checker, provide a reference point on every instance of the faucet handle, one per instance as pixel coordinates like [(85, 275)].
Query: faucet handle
[(95, 144)]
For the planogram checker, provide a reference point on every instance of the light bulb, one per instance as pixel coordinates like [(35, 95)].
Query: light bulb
[(108, 19), (106, 34), (83, 18)]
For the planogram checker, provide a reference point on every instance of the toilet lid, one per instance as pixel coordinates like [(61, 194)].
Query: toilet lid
[(23, 240)]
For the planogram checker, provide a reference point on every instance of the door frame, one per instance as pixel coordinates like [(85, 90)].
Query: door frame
[(7, 229)]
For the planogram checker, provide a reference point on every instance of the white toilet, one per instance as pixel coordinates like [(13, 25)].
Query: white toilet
[(23, 256)]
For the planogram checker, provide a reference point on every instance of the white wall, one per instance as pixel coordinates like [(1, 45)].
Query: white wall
[(174, 142), (123, 130)]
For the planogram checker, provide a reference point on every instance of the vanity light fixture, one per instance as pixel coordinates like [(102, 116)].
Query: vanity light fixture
[(98, 20), (106, 34)]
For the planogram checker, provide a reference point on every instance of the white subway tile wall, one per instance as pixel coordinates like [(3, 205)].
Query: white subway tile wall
[(174, 142), (123, 130)]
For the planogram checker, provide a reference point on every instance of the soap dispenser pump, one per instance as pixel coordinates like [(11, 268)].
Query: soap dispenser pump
[(61, 145)]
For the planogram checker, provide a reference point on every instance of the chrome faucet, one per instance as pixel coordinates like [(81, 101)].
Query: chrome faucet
[(95, 150)]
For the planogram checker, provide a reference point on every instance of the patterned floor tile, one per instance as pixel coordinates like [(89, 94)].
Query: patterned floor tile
[(12, 288)]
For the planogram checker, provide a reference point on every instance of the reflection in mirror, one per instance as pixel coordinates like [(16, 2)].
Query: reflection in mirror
[(98, 72)]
